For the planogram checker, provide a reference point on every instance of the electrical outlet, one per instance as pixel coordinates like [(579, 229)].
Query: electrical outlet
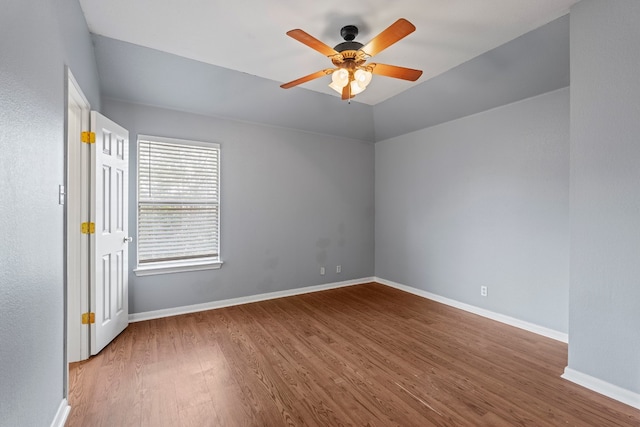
[(322, 271), (484, 291), (338, 269)]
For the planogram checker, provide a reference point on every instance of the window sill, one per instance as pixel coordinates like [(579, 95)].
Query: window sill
[(167, 268)]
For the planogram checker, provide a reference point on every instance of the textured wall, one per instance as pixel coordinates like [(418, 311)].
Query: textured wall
[(291, 202), (534, 63), (482, 200), (605, 184), (150, 77), (34, 48)]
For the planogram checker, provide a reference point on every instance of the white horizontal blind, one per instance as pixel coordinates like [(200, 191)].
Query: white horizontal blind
[(178, 200)]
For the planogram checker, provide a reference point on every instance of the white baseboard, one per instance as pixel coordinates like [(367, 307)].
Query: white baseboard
[(531, 327), (607, 389), (62, 414), (156, 314)]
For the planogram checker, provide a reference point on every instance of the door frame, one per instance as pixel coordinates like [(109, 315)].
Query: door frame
[(77, 209)]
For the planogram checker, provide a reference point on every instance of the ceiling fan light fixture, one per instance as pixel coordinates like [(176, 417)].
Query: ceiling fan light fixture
[(358, 83)]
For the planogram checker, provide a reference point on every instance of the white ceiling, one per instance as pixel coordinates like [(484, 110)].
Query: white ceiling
[(249, 35)]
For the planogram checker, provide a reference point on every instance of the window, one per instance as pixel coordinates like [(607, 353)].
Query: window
[(178, 205)]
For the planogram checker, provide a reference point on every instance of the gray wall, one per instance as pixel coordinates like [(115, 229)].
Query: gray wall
[(482, 200), (534, 63), (292, 201), (604, 305), (37, 39), (146, 76)]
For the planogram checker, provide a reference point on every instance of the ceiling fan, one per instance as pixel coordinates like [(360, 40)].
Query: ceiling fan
[(352, 74)]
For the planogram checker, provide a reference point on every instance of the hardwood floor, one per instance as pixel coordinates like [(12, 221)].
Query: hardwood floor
[(360, 355)]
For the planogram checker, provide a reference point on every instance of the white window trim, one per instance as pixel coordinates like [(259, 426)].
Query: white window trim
[(167, 267), (177, 267)]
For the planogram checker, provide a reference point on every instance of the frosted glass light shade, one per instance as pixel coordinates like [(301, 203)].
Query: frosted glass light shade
[(356, 88), (336, 87), (362, 78), (340, 77)]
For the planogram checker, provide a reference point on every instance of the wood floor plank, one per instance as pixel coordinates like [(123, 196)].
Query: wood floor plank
[(366, 355), (294, 369)]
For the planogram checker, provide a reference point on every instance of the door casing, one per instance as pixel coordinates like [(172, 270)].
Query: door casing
[(77, 208)]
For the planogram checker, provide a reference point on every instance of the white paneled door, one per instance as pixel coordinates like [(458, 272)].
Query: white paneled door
[(109, 292)]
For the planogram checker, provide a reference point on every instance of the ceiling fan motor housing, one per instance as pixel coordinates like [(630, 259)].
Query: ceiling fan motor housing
[(350, 54), (348, 33), (349, 45)]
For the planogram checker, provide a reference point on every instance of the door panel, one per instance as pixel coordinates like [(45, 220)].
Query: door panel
[(109, 246)]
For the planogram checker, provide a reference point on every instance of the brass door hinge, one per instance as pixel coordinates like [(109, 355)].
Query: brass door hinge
[(88, 137), (88, 227), (88, 318)]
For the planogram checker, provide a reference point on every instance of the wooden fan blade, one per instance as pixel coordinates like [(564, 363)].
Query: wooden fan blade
[(396, 72), (396, 31), (346, 91), (305, 79), (312, 42)]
